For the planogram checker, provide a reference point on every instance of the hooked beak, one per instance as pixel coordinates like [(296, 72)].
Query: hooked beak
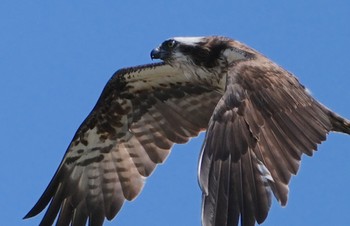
[(156, 53)]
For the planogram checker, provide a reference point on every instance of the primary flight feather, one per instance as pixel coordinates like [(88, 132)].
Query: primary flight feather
[(258, 117)]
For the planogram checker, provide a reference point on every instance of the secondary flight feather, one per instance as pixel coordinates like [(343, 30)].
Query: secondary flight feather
[(258, 117)]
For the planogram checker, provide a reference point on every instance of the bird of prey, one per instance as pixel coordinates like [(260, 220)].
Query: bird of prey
[(258, 118)]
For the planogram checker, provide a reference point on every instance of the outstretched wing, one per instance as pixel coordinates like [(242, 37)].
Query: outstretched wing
[(141, 113), (260, 128)]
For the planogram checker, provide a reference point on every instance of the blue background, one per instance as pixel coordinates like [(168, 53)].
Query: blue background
[(56, 57)]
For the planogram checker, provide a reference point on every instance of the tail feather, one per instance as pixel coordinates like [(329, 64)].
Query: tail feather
[(339, 123)]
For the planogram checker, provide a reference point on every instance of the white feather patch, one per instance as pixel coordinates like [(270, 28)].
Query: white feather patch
[(189, 40), (233, 54)]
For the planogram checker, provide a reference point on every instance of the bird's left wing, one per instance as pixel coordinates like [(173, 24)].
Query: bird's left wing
[(140, 114)]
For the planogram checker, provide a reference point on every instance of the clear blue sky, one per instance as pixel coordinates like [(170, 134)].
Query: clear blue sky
[(56, 57)]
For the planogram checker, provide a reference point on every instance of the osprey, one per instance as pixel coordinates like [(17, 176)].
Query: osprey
[(258, 117)]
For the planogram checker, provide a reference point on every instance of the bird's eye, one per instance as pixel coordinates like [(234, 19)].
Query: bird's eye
[(171, 43)]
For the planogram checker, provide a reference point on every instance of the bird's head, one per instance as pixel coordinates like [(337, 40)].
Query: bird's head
[(206, 52)]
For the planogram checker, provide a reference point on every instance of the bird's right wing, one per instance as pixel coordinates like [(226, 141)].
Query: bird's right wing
[(141, 113), (260, 128)]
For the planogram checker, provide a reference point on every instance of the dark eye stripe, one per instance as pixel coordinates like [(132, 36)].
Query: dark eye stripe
[(169, 44)]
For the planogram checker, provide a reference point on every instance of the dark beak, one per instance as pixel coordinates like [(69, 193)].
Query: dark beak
[(156, 53)]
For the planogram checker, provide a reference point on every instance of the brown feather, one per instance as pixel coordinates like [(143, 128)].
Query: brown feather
[(260, 121), (141, 113), (271, 121)]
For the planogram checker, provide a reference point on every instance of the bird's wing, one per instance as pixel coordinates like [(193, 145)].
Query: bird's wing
[(260, 128), (140, 114)]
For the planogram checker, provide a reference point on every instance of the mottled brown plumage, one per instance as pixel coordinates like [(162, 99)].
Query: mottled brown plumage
[(259, 121), (141, 113)]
